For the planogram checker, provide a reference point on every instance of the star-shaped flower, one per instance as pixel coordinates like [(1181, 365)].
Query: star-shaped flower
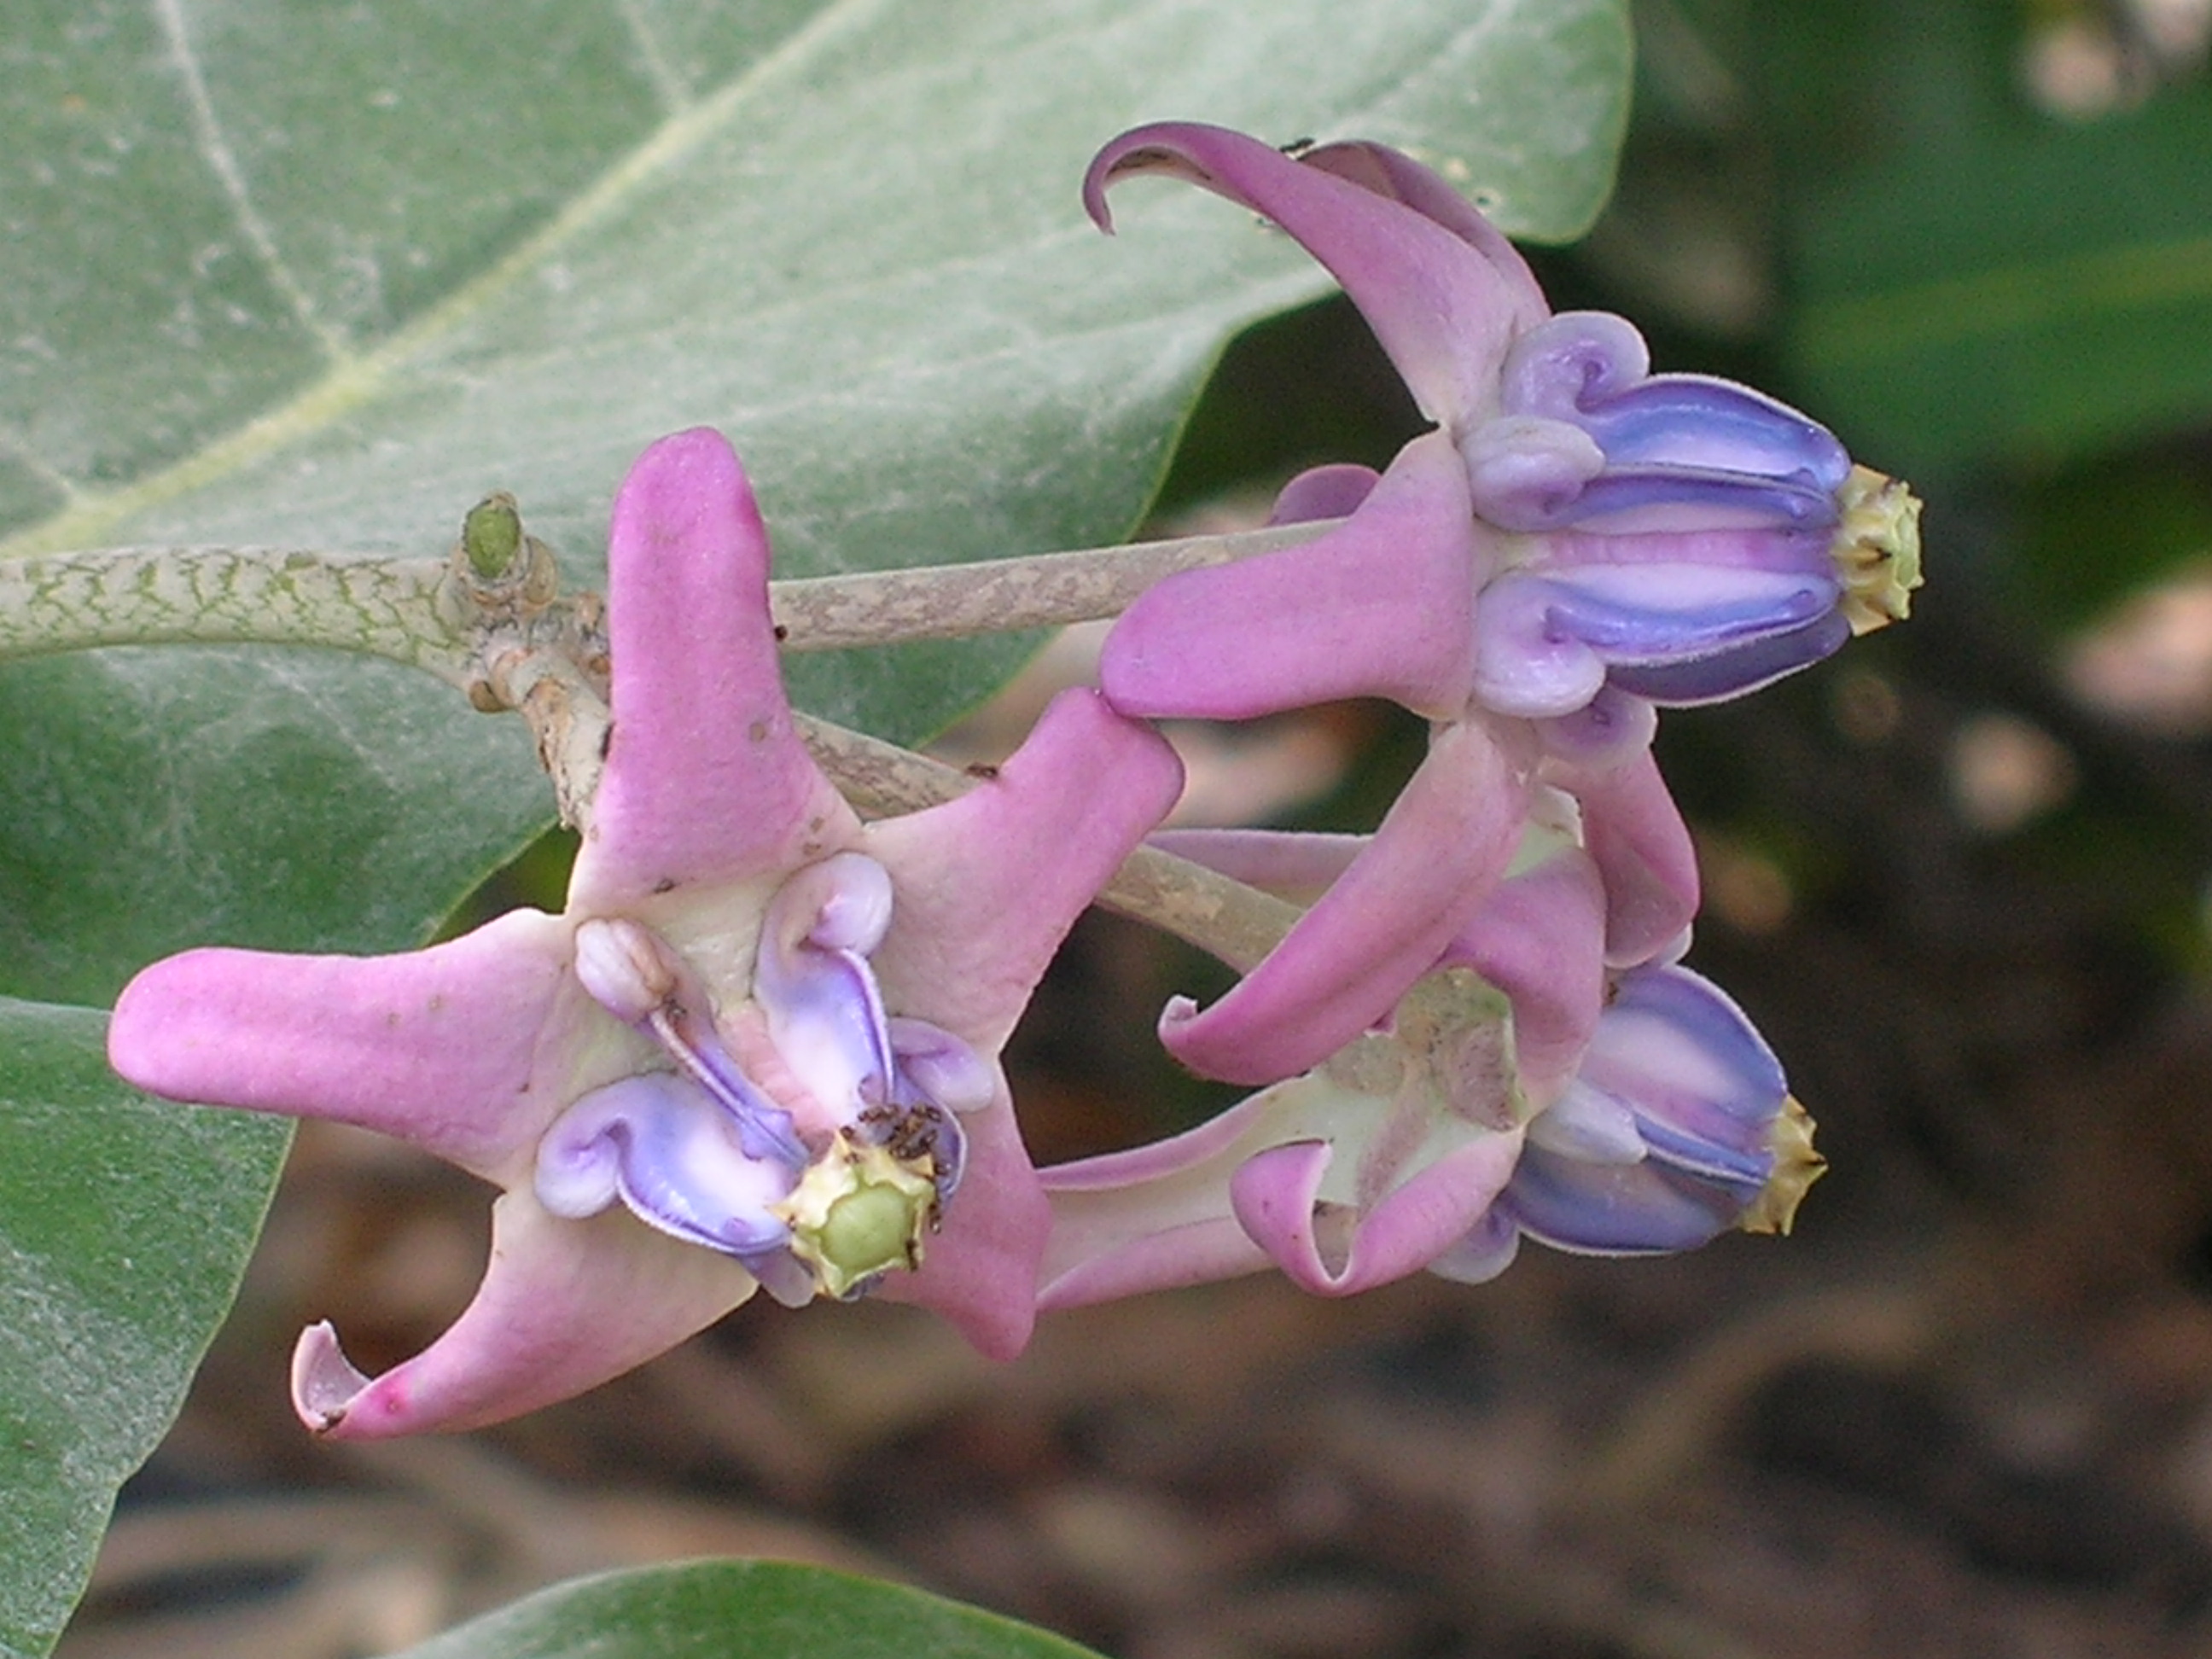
[(1576, 540), (760, 1043), (1519, 1090)]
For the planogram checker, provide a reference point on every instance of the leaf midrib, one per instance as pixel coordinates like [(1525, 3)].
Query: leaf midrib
[(352, 382)]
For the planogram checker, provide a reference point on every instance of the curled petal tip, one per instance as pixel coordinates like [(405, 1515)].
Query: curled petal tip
[(324, 1383), (1336, 1249), (1443, 291)]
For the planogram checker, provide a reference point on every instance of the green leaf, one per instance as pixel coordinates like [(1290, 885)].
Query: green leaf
[(124, 1226), (284, 799), (741, 1610), (327, 276), (1978, 278)]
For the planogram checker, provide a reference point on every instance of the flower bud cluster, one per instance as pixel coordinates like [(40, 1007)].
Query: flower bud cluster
[(759, 1048), (1579, 542)]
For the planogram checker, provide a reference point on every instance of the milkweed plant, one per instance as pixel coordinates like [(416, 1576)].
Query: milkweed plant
[(759, 1048)]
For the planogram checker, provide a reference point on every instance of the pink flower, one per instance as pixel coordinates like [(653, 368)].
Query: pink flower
[(1577, 540), (759, 1045), (1519, 1090)]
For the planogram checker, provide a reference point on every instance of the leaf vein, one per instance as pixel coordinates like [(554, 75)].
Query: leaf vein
[(671, 88), (352, 380), (215, 150)]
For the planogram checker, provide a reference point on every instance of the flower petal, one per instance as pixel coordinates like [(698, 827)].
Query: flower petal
[(1545, 643), (1486, 1251), (811, 978), (1296, 865), (1333, 491), (705, 778), (564, 1306), (1634, 832), (1384, 923), (1634, 500), (1705, 1086), (1740, 669), (981, 1271), (1332, 1250), (1592, 368), (1615, 1209), (1383, 605), (1540, 939), (1159, 1216), (988, 885), (1444, 292), (663, 1146), (435, 1046), (1704, 1091)]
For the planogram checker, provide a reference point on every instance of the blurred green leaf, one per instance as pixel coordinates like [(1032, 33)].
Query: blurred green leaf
[(741, 1610), (124, 1226), (2091, 534), (1977, 276), (325, 275)]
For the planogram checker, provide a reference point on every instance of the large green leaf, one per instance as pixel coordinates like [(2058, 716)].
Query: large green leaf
[(741, 1610), (123, 1225), (323, 275)]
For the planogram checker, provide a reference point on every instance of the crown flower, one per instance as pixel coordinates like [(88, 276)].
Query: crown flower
[(1520, 1090), (759, 1046), (1575, 541), (1676, 1127)]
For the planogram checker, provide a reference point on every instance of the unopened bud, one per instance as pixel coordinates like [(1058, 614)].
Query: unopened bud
[(491, 536)]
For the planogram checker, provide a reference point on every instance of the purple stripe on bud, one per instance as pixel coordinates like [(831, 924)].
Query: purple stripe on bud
[(1530, 477), (1630, 500), (1664, 1140), (1739, 669), (1613, 1209), (1592, 369), (1544, 644)]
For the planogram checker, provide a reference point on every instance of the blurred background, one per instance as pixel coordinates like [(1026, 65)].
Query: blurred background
[(1959, 877)]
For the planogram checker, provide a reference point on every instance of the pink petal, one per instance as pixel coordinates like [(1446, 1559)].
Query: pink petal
[(1342, 969), (564, 1306), (436, 1046), (1444, 299), (987, 888), (1540, 938), (1635, 832), (1383, 606), (1332, 491), (1397, 175), (981, 1271), (1276, 1192), (1197, 1253), (705, 778), (988, 885), (1157, 1217)]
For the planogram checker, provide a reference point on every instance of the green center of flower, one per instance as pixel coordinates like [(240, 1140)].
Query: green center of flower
[(858, 1213)]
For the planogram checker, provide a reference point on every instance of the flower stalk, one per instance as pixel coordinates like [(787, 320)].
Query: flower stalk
[(425, 613)]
